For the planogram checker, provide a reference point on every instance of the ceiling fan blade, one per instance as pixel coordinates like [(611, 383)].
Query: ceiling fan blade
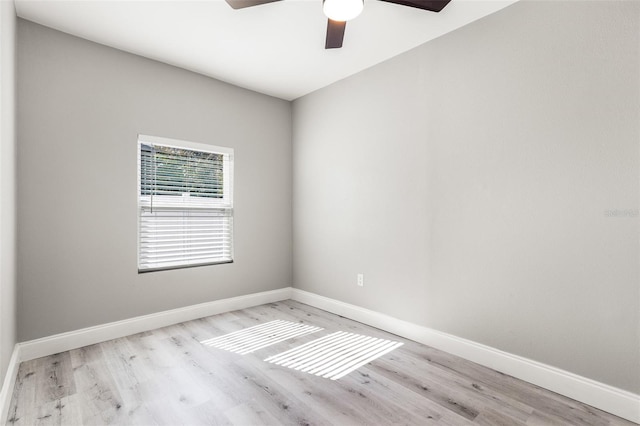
[(431, 5), (335, 34), (241, 4)]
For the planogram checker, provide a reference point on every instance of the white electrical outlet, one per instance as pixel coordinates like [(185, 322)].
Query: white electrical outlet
[(361, 280)]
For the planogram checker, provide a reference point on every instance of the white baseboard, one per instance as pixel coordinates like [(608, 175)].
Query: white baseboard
[(607, 398), (9, 382), (88, 336)]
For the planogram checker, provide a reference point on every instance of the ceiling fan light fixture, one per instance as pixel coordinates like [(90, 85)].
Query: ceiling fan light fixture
[(342, 10)]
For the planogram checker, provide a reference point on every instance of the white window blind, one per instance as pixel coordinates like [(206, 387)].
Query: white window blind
[(185, 204)]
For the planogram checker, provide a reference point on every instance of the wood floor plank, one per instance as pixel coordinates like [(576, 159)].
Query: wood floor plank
[(97, 391), (330, 400), (446, 397), (249, 413), (129, 374), (482, 397), (567, 410), (490, 417), (25, 399), (224, 370), (168, 376)]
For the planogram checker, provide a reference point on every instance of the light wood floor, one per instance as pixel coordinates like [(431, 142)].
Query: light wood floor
[(168, 377)]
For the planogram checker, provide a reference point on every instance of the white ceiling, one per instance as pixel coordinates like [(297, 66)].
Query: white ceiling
[(276, 48)]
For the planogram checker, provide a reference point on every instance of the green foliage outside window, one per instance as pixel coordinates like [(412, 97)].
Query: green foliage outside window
[(175, 171)]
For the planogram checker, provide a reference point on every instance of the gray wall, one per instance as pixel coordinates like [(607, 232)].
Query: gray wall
[(80, 108), (7, 184), (471, 180)]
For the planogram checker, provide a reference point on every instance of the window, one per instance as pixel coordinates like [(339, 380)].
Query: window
[(185, 204)]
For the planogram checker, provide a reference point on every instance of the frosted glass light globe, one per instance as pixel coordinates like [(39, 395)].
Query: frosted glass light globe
[(342, 10)]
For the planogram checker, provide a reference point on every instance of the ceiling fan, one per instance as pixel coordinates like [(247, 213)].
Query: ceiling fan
[(341, 11)]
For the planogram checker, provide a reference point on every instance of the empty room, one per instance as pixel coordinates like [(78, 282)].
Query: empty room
[(319, 212)]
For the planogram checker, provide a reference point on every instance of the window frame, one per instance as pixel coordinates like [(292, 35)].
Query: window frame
[(225, 203)]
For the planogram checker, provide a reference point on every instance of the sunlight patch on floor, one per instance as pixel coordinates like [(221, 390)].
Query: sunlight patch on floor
[(260, 336), (335, 355)]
